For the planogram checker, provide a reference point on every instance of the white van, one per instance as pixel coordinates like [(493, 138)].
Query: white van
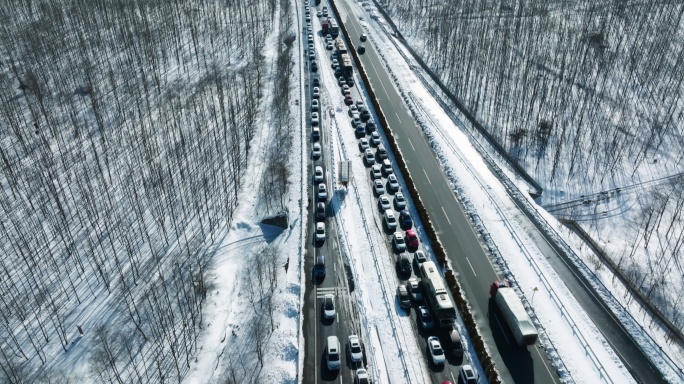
[(390, 219), (332, 352), (387, 167)]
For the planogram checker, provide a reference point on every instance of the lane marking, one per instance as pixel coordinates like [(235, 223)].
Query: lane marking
[(446, 216), (427, 177), (410, 142), (471, 266)]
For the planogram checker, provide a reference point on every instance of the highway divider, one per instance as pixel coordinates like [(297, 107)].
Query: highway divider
[(481, 349)]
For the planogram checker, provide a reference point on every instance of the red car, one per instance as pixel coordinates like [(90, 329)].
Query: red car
[(348, 100), (412, 239)]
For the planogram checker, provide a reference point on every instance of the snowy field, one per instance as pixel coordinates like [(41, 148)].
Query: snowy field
[(216, 294)]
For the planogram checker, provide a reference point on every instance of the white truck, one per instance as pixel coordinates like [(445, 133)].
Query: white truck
[(514, 313)]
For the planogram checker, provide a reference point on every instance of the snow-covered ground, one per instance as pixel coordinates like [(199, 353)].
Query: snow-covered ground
[(574, 343)]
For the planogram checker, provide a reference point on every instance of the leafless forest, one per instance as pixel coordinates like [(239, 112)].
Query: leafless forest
[(125, 129), (586, 95)]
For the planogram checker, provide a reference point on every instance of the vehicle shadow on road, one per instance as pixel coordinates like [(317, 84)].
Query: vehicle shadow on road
[(517, 359)]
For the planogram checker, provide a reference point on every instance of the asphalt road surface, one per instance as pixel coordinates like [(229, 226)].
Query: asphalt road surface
[(475, 271), (316, 327), (520, 365)]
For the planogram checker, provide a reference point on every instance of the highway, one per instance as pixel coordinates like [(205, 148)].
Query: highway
[(316, 328), (467, 256), (519, 365)]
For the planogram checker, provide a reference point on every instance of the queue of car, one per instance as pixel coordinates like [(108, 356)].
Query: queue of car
[(404, 238), (328, 311)]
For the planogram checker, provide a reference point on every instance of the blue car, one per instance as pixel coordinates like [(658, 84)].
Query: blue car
[(319, 267), (405, 220)]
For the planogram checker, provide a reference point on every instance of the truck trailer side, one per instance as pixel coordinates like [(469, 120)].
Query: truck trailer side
[(515, 315)]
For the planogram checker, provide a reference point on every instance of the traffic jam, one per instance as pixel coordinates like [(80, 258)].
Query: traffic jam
[(421, 286)]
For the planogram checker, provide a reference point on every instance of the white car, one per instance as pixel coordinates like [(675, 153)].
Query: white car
[(392, 182), (363, 144), (320, 232), (384, 203), (467, 375), (318, 174), (369, 157), (361, 376), (314, 105), (316, 151), (355, 352), (376, 172), (314, 118), (334, 63), (322, 191), (316, 93), (436, 350), (329, 46), (399, 241), (399, 201), (414, 289), (345, 87), (353, 110), (329, 306), (375, 138), (378, 187), (360, 105)]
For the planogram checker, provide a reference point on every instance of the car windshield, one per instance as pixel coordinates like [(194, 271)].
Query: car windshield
[(333, 356), (328, 304), (355, 348), (437, 350)]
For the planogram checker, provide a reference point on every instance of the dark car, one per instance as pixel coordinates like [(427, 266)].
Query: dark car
[(405, 220), (455, 343), (320, 211), (425, 318), (361, 49), (350, 81), (404, 263), (363, 37), (365, 115), (316, 82), (360, 131), (370, 126), (319, 267)]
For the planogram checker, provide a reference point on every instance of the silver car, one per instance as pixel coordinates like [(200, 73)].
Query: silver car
[(355, 352)]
